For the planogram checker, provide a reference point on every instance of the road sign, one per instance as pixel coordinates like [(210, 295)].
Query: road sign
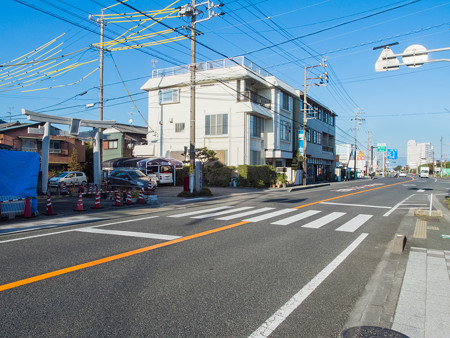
[(381, 147), (392, 154), (300, 141), (387, 61), (361, 155), (416, 56)]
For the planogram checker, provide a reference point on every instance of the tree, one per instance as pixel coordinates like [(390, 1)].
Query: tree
[(398, 168), (74, 165), (205, 155)]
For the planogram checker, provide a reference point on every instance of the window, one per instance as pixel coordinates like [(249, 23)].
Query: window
[(55, 147), (256, 126), (110, 144), (314, 136), (286, 101), (320, 114), (179, 127), (216, 124), (169, 96), (308, 135), (255, 157), (29, 145), (285, 131)]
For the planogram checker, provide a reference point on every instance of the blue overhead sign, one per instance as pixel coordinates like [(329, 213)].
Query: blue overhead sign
[(392, 154)]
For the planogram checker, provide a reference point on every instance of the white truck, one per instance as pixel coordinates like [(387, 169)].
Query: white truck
[(425, 172)]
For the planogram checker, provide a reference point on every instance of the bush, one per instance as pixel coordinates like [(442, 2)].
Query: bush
[(181, 174), (204, 192), (257, 176), (217, 176)]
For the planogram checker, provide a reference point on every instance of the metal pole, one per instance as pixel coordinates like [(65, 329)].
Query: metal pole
[(305, 107), (192, 112), (441, 157), (45, 156), (354, 159), (97, 155)]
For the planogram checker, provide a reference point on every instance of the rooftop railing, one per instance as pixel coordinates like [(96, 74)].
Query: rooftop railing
[(211, 65)]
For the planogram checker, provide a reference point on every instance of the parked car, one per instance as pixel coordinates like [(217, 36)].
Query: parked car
[(402, 174), (68, 177), (130, 178)]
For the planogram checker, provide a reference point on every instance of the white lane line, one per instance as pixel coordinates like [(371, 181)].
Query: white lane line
[(292, 304), (397, 205), (354, 223), (243, 214), (357, 205), (200, 211), (128, 233), (222, 212), (420, 190), (269, 215), (71, 230), (323, 220), (295, 218)]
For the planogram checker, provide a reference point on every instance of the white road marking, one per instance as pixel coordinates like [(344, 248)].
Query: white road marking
[(295, 218), (222, 212), (64, 231), (420, 190), (354, 223), (269, 215), (357, 205), (128, 233), (200, 211), (292, 304), (243, 214), (397, 205), (323, 220)]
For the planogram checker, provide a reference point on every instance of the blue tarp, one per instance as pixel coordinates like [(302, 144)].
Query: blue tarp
[(19, 171)]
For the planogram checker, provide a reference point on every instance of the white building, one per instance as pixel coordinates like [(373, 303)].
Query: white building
[(243, 113), (418, 154)]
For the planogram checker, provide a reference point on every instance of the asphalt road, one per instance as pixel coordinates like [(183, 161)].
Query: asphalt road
[(208, 268)]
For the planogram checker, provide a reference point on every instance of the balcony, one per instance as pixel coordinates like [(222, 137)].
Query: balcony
[(251, 96)]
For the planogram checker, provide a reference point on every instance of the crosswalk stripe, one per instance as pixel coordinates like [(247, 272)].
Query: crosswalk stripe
[(269, 215), (199, 212), (323, 220), (128, 233), (222, 212), (295, 218), (354, 223), (243, 214)]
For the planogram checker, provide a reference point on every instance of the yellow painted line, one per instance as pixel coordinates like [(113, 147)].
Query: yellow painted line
[(346, 195), (114, 257)]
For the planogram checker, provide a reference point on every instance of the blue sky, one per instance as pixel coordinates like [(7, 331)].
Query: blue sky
[(280, 36)]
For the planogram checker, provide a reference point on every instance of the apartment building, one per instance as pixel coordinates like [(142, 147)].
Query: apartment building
[(242, 112), (418, 154)]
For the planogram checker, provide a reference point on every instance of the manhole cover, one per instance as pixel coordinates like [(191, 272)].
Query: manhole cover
[(371, 332)]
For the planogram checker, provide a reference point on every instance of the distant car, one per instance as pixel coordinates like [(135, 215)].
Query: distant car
[(130, 178), (68, 177), (402, 174)]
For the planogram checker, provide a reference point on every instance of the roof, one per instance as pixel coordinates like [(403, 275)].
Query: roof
[(16, 125), (127, 128)]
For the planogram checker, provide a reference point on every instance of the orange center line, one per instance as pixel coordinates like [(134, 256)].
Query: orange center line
[(353, 193), (114, 257)]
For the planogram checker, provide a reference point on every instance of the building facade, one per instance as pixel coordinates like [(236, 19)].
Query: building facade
[(121, 139), (418, 154), (243, 113)]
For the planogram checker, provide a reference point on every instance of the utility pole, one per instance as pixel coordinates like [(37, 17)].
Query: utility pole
[(441, 156), (97, 148), (191, 10), (368, 148), (323, 80), (357, 121)]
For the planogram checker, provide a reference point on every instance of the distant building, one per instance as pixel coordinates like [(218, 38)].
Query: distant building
[(418, 154), (19, 137), (121, 140)]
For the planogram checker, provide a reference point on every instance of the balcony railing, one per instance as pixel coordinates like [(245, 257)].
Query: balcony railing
[(210, 65), (251, 96)]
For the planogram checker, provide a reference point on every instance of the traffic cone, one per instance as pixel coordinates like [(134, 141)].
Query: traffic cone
[(97, 201), (118, 202), (128, 200), (79, 206), (141, 197), (49, 209), (64, 189), (27, 210)]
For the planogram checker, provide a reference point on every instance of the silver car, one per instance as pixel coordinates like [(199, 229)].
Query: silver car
[(68, 177)]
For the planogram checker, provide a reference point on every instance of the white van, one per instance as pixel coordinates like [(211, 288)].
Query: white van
[(425, 172)]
